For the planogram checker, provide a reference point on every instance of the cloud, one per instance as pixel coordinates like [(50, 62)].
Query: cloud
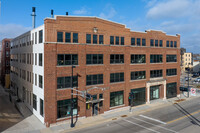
[(12, 30), (108, 12), (82, 11)]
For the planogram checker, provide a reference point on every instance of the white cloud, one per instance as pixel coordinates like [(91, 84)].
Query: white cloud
[(82, 11), (108, 12), (12, 30)]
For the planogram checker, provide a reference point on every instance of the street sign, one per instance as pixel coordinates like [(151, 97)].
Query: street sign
[(193, 91)]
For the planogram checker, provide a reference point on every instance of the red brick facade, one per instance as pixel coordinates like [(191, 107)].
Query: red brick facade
[(83, 26)]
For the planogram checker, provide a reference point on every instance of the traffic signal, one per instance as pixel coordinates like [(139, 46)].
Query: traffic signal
[(131, 96)]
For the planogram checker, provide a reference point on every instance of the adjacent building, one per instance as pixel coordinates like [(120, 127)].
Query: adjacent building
[(107, 61), (5, 62), (187, 61)]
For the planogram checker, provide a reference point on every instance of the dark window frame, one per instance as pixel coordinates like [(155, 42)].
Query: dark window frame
[(75, 38), (64, 62), (59, 36), (66, 82), (90, 59), (88, 38), (94, 79), (154, 58), (137, 58), (117, 59), (138, 75), (116, 77), (156, 73)]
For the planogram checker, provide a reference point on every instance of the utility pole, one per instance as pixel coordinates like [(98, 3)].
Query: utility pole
[(72, 102), (188, 78)]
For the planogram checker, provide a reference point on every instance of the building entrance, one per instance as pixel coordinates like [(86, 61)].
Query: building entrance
[(154, 92), (95, 109)]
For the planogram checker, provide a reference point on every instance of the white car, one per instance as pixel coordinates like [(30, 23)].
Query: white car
[(197, 80)]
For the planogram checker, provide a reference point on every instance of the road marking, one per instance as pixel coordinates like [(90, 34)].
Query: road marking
[(141, 126), (155, 125), (183, 117), (152, 119)]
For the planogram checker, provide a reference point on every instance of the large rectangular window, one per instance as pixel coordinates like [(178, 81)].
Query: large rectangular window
[(116, 58), (41, 107), (116, 77), (75, 37), (138, 58), (167, 43), (64, 108), (100, 39), (143, 42), (156, 58), (34, 101), (94, 59), (151, 42), (94, 39), (156, 43), (88, 38), (137, 75), (161, 43), (116, 98), (139, 96), (171, 90), (171, 58), (40, 36), (171, 44), (156, 73), (35, 37), (66, 82), (122, 40), (117, 40), (138, 41), (59, 36), (132, 41), (40, 59), (40, 81), (171, 72), (175, 44), (94, 79), (112, 40), (68, 37), (67, 59)]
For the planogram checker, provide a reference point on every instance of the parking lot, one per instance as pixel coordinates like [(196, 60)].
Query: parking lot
[(193, 81)]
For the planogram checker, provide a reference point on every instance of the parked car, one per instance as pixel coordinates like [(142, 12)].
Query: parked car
[(195, 75), (183, 89), (197, 80)]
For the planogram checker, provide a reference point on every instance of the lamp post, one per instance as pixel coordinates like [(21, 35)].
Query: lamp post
[(72, 103), (188, 77)]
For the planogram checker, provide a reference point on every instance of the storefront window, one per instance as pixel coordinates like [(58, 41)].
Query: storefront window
[(171, 90), (138, 96), (116, 98)]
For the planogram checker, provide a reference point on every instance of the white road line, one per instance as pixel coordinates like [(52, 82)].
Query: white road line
[(141, 126), (152, 119), (155, 125)]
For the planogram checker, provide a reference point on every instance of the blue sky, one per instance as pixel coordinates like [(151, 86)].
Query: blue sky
[(170, 16)]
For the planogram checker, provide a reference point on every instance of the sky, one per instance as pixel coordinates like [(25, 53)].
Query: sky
[(171, 16)]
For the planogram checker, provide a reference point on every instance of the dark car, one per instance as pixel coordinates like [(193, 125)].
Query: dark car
[(195, 75), (183, 89)]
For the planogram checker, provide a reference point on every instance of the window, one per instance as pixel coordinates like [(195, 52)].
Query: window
[(116, 98), (167, 43), (116, 58), (175, 44), (88, 38), (143, 42), (156, 59), (122, 40), (40, 59), (171, 72), (116, 77), (35, 79), (171, 90), (94, 97), (117, 40), (161, 43), (41, 107), (59, 36), (66, 82), (67, 59), (75, 37), (7, 53), (138, 41), (40, 36), (101, 96), (171, 44), (100, 39), (35, 37), (132, 41), (68, 37), (64, 108), (152, 42), (34, 101), (138, 59), (171, 58), (155, 73), (94, 59), (156, 43), (94, 39), (35, 59), (138, 75), (112, 40), (7, 44), (94, 79), (40, 81)]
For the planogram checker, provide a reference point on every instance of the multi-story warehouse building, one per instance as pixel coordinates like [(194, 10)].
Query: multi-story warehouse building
[(5, 62), (187, 61), (109, 61)]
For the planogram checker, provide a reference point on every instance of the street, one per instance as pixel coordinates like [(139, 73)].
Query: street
[(9, 116), (181, 117)]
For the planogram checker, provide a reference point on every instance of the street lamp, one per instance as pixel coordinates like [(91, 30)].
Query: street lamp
[(188, 78), (72, 102)]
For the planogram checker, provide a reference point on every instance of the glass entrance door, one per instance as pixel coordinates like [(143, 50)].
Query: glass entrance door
[(154, 92)]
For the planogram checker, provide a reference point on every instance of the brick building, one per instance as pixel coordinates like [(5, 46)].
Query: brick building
[(5, 62), (110, 62)]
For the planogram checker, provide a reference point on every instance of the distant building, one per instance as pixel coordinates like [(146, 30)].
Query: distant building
[(196, 66), (5, 62), (187, 61), (182, 51)]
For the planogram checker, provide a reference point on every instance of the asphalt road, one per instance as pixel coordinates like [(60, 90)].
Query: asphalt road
[(183, 117), (9, 116)]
